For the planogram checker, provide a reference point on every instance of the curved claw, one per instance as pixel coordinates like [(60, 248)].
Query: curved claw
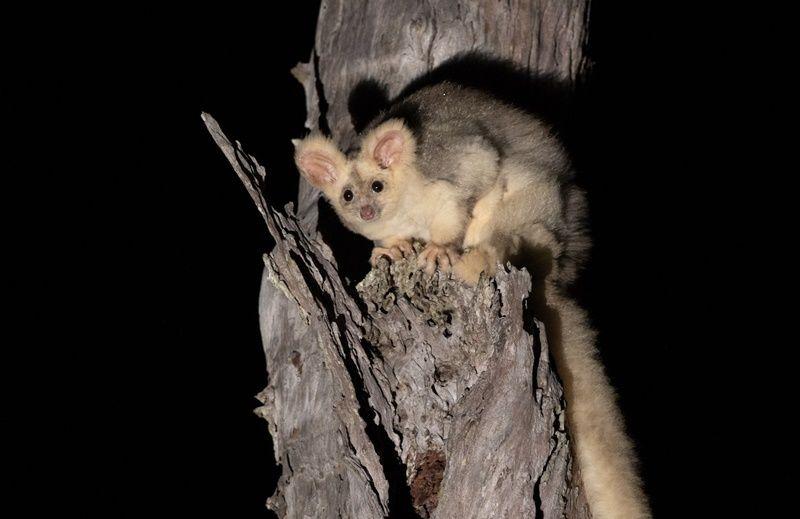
[(405, 248), (396, 252), (433, 255), (381, 252)]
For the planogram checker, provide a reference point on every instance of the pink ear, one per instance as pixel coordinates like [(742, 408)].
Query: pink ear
[(389, 148), (318, 167)]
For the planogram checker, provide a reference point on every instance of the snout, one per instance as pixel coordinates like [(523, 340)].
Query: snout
[(367, 212)]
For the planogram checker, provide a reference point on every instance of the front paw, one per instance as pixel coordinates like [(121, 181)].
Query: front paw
[(399, 250), (434, 254)]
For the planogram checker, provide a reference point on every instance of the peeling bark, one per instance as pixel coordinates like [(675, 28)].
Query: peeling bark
[(412, 378), (407, 395)]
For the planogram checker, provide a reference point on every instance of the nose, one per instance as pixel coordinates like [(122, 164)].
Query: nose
[(367, 212)]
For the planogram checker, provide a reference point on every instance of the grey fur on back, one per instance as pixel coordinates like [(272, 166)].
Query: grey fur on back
[(444, 116), (447, 119)]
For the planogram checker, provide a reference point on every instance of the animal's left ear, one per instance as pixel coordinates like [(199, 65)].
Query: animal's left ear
[(391, 145)]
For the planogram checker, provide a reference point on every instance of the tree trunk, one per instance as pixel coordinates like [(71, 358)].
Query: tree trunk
[(407, 395)]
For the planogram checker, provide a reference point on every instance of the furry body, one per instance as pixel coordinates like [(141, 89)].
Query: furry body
[(483, 183)]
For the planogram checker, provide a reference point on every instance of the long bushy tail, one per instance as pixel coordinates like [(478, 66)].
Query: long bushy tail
[(604, 452)]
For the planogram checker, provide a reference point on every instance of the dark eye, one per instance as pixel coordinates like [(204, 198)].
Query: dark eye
[(377, 186), (348, 195)]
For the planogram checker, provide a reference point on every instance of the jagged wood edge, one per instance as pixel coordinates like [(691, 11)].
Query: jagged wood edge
[(304, 271), (296, 266)]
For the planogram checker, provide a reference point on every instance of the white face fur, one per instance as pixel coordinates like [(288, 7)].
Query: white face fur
[(365, 192)]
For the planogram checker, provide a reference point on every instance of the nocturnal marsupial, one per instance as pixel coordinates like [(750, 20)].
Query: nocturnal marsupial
[(482, 183)]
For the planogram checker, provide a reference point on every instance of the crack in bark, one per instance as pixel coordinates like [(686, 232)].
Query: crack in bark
[(474, 384), (400, 501), (322, 102)]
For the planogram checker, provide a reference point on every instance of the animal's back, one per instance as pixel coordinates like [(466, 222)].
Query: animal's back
[(447, 119), (445, 116)]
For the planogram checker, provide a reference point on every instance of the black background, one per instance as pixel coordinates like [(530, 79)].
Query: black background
[(176, 415), (216, 452)]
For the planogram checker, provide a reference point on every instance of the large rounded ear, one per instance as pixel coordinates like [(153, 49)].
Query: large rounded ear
[(390, 145), (319, 160)]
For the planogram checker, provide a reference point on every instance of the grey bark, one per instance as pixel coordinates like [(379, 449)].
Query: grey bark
[(408, 394), (395, 42)]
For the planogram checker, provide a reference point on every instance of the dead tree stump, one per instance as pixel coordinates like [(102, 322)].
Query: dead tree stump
[(408, 395)]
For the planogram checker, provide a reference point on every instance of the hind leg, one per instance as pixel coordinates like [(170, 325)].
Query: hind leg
[(513, 223), (484, 258), (473, 263)]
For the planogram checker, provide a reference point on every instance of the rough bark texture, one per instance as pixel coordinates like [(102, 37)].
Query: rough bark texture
[(413, 391), (395, 42), (408, 395)]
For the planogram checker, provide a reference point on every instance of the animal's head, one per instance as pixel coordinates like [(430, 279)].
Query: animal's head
[(366, 190)]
